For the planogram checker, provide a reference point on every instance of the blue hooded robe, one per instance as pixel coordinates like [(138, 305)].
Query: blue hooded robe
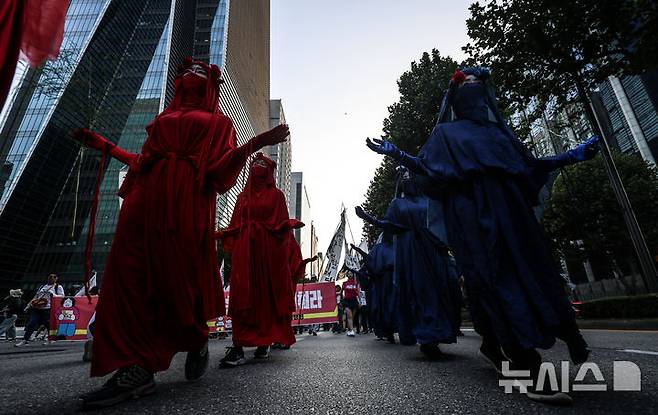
[(378, 264), (422, 271), (485, 183)]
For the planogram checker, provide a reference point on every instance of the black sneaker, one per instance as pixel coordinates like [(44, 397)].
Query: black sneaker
[(234, 357), (492, 354), (578, 350), (262, 352), (432, 351), (196, 363), (548, 396), (128, 383), (530, 359), (86, 355)]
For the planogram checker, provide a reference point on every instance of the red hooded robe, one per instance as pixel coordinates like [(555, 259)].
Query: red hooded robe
[(161, 282), (259, 238), (33, 27)]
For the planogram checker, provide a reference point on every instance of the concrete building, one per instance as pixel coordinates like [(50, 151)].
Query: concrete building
[(282, 152), (299, 207), (114, 74)]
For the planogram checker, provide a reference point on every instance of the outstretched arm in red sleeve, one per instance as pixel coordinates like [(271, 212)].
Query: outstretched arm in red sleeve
[(224, 169), (98, 142)]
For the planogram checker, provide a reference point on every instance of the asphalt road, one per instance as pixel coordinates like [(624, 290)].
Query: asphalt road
[(330, 374)]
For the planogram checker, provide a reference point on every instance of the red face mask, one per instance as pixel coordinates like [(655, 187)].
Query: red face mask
[(259, 171), (193, 85)]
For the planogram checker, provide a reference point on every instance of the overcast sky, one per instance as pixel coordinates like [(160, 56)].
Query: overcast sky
[(335, 65)]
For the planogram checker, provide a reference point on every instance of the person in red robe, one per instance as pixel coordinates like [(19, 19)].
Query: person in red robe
[(161, 282), (264, 266), (31, 29)]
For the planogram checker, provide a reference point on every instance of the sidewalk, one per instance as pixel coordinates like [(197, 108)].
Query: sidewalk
[(642, 324), (647, 324), (37, 346)]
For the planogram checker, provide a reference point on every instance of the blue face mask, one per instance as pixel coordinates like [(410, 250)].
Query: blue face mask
[(470, 103), (408, 187)]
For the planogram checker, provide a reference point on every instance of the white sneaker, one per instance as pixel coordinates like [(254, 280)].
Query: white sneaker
[(350, 333), (21, 343)]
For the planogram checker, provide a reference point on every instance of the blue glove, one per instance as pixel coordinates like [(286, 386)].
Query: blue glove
[(586, 150), (361, 213), (366, 217), (384, 147)]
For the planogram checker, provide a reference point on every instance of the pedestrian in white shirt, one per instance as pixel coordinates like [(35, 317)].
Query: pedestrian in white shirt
[(39, 308)]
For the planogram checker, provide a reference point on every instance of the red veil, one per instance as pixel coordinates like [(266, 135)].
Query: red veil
[(262, 286), (161, 276)]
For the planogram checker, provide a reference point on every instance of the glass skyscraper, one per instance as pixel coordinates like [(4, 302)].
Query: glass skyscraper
[(114, 74), (632, 106)]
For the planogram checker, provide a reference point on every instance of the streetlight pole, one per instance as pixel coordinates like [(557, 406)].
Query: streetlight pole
[(601, 126)]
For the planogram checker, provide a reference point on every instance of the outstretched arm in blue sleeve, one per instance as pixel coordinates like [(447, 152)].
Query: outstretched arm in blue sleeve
[(582, 152), (389, 149), (385, 224), (360, 251)]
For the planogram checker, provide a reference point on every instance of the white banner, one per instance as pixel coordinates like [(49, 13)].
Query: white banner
[(351, 260), (332, 256), (92, 284)]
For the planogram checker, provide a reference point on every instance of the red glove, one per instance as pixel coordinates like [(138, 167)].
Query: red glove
[(309, 260), (274, 136), (92, 139), (288, 225), (98, 142)]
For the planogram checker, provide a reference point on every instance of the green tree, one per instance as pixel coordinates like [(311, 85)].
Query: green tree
[(553, 52), (545, 51), (583, 207), (409, 123)]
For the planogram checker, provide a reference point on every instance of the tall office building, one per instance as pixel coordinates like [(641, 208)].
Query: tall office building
[(553, 134), (282, 152), (114, 74), (632, 105), (299, 207)]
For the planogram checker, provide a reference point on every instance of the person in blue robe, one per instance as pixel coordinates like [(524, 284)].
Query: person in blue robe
[(454, 284), (378, 264), (421, 276), (485, 182)]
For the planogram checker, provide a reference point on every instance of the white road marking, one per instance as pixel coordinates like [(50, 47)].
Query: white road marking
[(639, 351), (622, 331)]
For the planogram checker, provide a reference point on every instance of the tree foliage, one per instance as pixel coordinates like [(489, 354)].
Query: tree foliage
[(583, 207), (540, 49), (409, 123)]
